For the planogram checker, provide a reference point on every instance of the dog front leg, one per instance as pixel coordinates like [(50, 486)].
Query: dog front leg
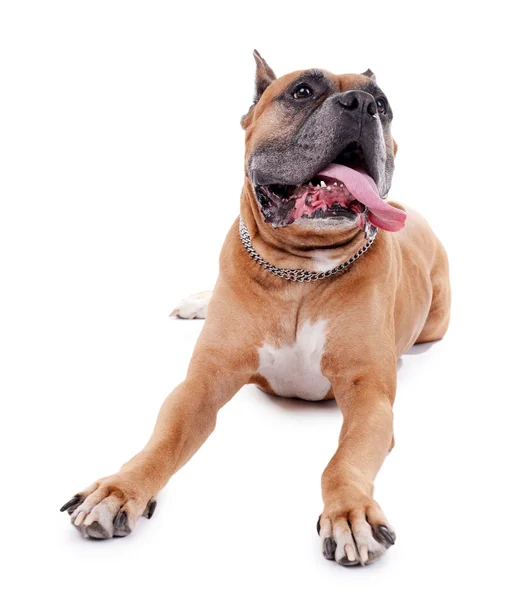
[(352, 527), (111, 506)]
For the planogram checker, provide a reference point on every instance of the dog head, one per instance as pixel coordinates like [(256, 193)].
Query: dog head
[(319, 151)]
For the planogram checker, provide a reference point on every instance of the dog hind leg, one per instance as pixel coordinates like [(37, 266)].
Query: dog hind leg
[(438, 318), (192, 307)]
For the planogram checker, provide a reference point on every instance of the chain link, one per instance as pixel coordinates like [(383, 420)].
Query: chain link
[(300, 275)]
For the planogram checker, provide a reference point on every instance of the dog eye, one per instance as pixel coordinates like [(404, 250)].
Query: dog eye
[(381, 103), (302, 91)]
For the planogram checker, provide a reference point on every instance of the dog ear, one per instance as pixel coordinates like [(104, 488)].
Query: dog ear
[(368, 73), (264, 77)]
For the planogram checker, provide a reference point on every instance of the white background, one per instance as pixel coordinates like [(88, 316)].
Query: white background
[(121, 167)]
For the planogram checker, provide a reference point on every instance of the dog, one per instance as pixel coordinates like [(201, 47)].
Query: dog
[(323, 285)]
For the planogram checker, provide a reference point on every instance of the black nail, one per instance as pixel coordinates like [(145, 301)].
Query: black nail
[(387, 534), (120, 520), (151, 507), (329, 548), (318, 526), (75, 501)]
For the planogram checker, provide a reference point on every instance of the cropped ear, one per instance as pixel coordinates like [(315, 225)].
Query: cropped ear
[(264, 77), (368, 73)]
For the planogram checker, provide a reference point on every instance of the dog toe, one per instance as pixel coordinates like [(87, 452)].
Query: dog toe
[(351, 538), (109, 508)]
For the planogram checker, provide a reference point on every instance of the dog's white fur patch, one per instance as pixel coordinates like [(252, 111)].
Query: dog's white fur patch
[(322, 262), (192, 307), (295, 371)]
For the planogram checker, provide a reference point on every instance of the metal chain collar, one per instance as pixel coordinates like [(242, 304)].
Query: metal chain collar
[(300, 274)]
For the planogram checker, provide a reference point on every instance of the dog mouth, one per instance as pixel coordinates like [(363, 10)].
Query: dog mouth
[(322, 197), (342, 190)]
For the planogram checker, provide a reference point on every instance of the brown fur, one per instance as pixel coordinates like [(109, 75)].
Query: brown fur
[(394, 296)]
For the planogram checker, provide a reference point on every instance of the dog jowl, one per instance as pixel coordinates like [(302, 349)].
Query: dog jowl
[(323, 284)]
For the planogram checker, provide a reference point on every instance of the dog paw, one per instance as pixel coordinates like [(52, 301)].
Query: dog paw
[(355, 536), (109, 508), (192, 307)]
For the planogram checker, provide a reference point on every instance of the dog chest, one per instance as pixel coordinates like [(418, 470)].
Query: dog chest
[(294, 371)]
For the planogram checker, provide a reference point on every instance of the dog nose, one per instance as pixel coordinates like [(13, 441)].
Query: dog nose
[(358, 103)]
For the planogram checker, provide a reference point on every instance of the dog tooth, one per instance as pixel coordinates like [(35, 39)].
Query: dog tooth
[(329, 188), (323, 184), (336, 183)]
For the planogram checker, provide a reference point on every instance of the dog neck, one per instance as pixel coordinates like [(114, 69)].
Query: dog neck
[(312, 250)]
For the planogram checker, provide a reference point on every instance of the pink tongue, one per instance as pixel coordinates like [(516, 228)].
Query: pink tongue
[(363, 188)]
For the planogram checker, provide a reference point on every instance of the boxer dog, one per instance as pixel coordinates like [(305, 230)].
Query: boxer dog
[(322, 286)]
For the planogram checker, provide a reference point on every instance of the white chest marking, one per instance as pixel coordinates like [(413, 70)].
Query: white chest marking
[(295, 371)]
